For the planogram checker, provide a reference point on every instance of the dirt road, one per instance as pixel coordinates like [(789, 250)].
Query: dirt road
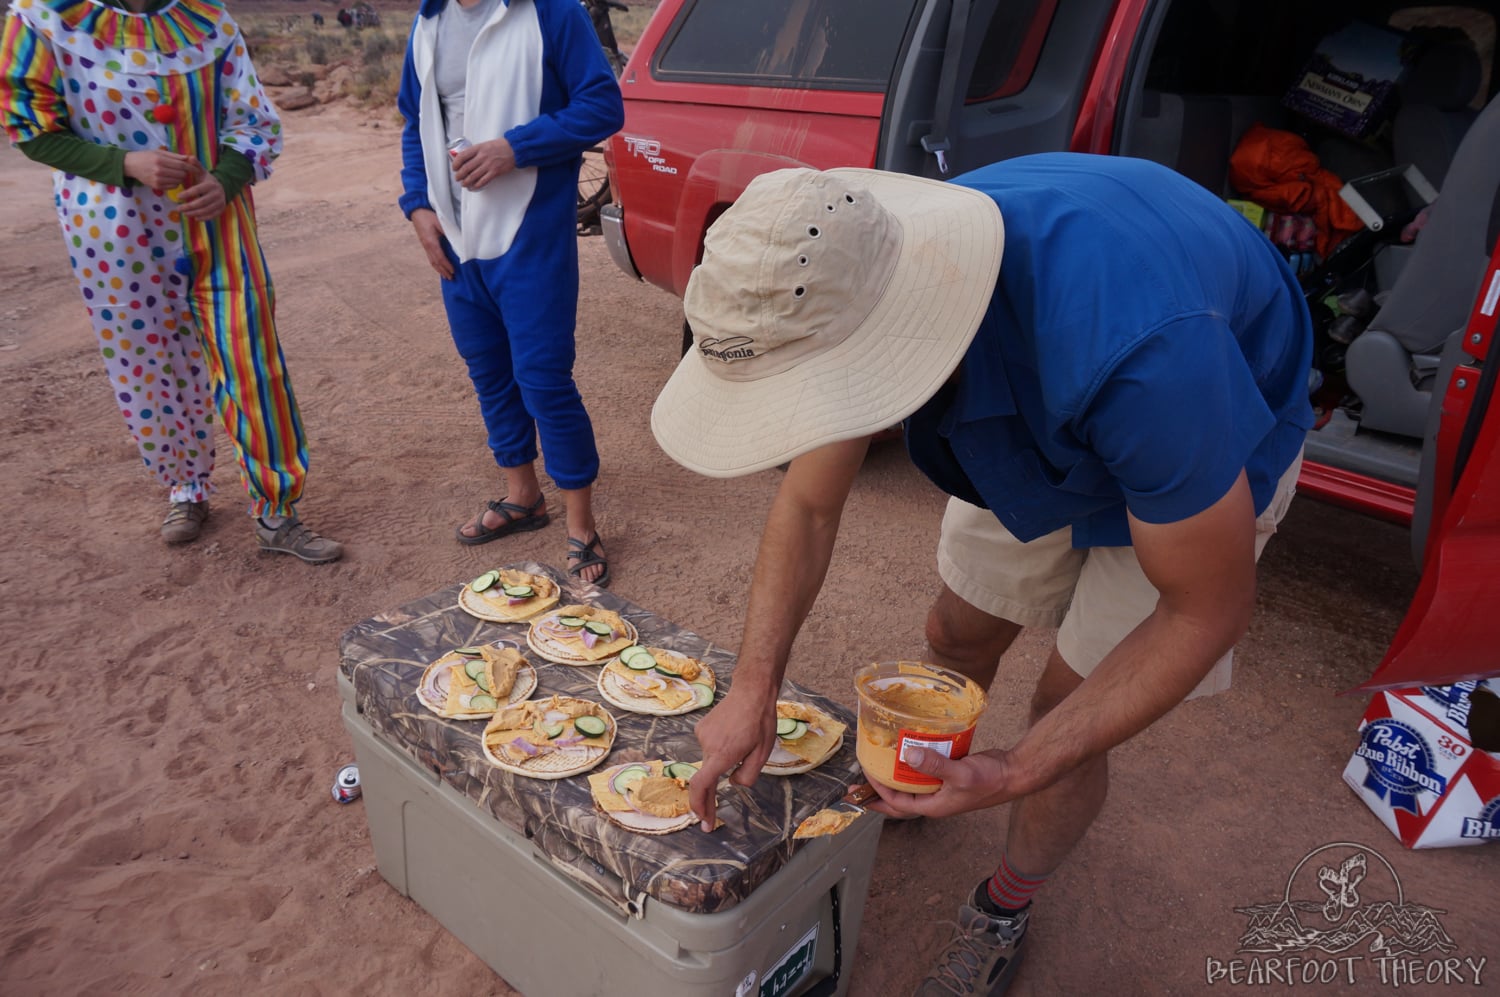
[(171, 725)]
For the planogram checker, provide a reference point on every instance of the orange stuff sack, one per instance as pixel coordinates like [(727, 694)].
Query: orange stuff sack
[(1277, 170)]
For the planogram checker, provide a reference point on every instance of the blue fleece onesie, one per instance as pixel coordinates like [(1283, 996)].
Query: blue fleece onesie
[(537, 77)]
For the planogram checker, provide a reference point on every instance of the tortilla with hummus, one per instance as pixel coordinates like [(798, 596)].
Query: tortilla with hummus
[(806, 737), (657, 681), (471, 683), (508, 596), (580, 635), (549, 738), (645, 797)]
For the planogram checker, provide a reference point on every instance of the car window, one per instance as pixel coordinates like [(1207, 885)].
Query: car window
[(829, 44), (1008, 53), (1477, 25)]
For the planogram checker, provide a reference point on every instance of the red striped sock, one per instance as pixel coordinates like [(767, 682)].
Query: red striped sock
[(1009, 890)]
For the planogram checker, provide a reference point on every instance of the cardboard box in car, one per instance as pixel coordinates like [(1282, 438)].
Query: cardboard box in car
[(1350, 81), (1417, 770), (552, 896)]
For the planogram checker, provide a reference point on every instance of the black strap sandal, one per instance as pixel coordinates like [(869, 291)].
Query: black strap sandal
[(587, 555), (518, 519)]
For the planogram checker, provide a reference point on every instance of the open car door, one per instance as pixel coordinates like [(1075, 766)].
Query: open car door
[(1449, 634)]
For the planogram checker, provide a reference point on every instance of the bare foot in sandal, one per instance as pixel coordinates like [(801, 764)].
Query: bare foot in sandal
[(586, 559), (502, 518)]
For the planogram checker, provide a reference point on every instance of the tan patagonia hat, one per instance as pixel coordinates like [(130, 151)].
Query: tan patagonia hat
[(829, 305)]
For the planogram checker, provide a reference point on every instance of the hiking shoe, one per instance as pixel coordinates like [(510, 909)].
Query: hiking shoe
[(981, 958), (184, 522), (294, 538)]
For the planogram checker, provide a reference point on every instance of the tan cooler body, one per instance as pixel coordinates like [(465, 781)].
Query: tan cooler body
[(553, 897)]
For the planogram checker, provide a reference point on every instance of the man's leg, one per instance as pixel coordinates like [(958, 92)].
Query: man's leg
[(966, 639)]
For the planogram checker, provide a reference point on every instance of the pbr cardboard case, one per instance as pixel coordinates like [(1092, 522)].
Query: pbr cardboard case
[(552, 895), (1418, 770)]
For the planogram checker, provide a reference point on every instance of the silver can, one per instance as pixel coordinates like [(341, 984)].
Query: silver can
[(457, 146), (346, 784)]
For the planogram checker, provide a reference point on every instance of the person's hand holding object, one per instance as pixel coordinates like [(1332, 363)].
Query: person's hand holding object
[(159, 169), (430, 235), (737, 736), (482, 162), (986, 779)]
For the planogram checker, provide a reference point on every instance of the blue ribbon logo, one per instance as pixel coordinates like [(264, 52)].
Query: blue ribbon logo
[(1400, 764)]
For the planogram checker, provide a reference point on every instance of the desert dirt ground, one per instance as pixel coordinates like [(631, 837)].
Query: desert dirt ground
[(171, 725)]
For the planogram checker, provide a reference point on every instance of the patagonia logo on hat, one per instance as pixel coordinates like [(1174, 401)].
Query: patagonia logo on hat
[(730, 348)]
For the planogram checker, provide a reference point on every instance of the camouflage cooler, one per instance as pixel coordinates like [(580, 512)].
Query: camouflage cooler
[(553, 897)]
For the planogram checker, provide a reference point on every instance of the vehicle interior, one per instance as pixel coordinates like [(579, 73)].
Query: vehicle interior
[(1390, 298)]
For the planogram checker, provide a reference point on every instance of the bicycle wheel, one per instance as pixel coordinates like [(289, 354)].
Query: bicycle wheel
[(593, 190)]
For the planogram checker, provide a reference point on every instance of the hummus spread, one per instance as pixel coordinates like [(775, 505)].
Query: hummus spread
[(907, 704)]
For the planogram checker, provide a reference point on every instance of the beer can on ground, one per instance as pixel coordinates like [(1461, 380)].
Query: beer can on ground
[(346, 784)]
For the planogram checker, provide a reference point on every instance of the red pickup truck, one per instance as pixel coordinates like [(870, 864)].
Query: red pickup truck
[(719, 91)]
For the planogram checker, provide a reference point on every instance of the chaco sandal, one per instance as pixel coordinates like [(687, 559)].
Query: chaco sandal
[(518, 519), (586, 555)]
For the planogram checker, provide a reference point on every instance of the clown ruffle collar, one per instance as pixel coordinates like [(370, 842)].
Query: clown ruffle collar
[(181, 25)]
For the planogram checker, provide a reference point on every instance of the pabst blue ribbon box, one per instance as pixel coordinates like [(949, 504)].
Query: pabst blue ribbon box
[(1418, 770)]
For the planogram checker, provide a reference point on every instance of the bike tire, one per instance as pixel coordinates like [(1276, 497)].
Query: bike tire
[(593, 189)]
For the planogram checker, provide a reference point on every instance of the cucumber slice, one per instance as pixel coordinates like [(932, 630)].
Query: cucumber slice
[(599, 628), (785, 725), (574, 622), (483, 702), (627, 777), (680, 770), (483, 681), (668, 668), (704, 694), (590, 726), (551, 730), (474, 668), (484, 581), (799, 728), (518, 591), (469, 652), (642, 662)]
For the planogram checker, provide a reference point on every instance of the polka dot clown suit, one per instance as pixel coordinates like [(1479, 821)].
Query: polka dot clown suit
[(183, 309)]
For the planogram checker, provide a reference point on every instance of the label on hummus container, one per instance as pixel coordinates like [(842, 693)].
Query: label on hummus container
[(947, 745)]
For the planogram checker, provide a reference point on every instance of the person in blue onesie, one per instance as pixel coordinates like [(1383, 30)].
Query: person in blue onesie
[(1117, 412), (517, 89)]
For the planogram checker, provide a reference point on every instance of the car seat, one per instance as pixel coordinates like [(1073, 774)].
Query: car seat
[(1393, 363), (1435, 114)]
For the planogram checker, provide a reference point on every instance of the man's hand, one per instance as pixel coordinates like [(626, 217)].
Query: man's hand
[(477, 165), (737, 736), (159, 169), (204, 200), (986, 779), (430, 235)]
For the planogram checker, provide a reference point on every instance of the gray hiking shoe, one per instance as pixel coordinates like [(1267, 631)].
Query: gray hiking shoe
[(184, 522), (294, 538), (981, 958)]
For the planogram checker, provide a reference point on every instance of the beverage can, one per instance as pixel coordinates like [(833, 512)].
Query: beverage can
[(346, 784), (458, 145)]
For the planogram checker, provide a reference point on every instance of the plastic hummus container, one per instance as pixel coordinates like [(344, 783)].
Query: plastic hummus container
[(911, 704)]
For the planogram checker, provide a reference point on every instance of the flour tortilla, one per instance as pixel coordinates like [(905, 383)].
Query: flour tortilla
[(562, 646), (824, 737), (494, 605), (432, 690), (617, 684), (552, 761), (618, 810)]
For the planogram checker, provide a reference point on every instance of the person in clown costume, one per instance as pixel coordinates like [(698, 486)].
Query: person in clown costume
[(500, 99), (152, 119)]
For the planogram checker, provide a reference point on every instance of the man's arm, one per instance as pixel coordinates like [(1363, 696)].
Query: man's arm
[(1204, 569), (593, 109), (795, 549)]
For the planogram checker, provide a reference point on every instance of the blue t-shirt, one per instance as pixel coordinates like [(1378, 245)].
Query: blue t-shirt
[(1144, 344)]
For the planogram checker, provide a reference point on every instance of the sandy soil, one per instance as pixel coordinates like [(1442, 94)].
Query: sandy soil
[(171, 725)]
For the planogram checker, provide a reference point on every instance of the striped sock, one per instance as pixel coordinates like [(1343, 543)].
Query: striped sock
[(1008, 891)]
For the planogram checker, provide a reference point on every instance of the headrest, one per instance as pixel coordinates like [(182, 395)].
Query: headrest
[(1444, 74)]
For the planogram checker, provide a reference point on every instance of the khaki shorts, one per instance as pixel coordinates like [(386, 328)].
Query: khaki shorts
[(1094, 597)]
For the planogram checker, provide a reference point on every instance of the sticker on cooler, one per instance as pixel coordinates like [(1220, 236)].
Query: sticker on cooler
[(947, 745)]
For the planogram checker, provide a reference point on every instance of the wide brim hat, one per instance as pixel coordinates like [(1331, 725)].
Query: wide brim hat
[(829, 305)]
